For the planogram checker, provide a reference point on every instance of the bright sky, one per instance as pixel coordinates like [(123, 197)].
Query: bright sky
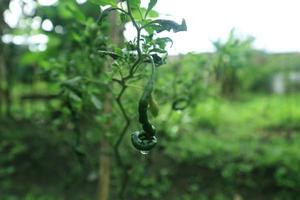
[(274, 23)]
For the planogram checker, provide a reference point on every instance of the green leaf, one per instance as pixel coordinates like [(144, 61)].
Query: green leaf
[(73, 81), (162, 42), (158, 60), (113, 55), (76, 12), (149, 29), (151, 5), (153, 14), (105, 2), (135, 4), (137, 14), (123, 18), (157, 50), (96, 102), (141, 12), (73, 86), (74, 96), (168, 25)]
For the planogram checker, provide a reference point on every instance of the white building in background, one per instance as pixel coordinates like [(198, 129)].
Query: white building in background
[(281, 82), (278, 84)]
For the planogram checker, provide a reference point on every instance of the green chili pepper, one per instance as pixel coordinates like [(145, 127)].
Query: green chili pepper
[(144, 104), (141, 141), (145, 140)]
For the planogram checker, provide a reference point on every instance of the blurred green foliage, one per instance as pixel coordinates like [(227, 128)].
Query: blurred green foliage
[(236, 139)]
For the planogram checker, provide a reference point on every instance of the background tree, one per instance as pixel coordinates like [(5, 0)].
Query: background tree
[(230, 57)]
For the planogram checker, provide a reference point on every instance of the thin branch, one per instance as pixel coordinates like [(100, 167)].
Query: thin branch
[(139, 51), (127, 120), (121, 82), (131, 16), (118, 143)]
